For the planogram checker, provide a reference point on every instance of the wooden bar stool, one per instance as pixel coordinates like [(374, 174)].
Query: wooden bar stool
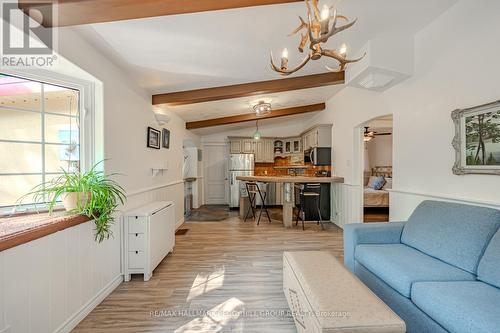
[(313, 191), (255, 191)]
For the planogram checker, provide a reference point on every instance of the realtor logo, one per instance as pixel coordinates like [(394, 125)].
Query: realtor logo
[(25, 41)]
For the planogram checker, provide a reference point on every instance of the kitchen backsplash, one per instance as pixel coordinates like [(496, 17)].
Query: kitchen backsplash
[(268, 169)]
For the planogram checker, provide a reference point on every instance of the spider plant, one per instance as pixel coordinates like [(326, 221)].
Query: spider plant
[(102, 197)]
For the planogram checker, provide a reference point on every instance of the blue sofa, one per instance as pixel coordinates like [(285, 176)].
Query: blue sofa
[(439, 271)]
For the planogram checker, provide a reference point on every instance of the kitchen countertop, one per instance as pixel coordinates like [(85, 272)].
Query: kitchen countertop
[(291, 179)]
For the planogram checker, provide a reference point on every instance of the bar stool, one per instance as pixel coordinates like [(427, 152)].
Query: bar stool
[(254, 189), (312, 190)]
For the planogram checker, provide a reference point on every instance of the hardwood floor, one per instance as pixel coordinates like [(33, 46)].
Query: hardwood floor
[(228, 265)]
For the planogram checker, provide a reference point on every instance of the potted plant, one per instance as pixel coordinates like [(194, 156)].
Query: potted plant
[(92, 193)]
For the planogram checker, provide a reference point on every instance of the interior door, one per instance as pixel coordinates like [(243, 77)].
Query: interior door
[(215, 165)]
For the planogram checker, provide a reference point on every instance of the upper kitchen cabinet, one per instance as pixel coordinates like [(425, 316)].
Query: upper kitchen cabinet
[(235, 146), (263, 149), (292, 145), (248, 146), (318, 136)]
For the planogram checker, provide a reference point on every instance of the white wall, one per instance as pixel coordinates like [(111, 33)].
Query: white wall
[(456, 66), (380, 151), (124, 112)]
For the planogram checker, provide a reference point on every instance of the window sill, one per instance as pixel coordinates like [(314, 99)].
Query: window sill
[(22, 229)]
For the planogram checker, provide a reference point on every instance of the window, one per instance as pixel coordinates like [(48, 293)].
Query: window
[(39, 135)]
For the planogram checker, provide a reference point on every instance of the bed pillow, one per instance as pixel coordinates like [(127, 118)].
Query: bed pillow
[(371, 180), (378, 183), (388, 184)]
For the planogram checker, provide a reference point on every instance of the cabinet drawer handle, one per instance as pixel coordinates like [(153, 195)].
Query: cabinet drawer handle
[(136, 252), (136, 235)]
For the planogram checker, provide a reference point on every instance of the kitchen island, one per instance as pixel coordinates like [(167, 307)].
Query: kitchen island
[(288, 187)]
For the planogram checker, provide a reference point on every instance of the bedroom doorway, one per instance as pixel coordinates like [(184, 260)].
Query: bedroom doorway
[(377, 168)]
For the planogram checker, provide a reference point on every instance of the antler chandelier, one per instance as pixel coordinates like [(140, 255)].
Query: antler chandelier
[(320, 26)]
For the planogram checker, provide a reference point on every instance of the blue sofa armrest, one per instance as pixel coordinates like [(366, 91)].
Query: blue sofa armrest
[(369, 233)]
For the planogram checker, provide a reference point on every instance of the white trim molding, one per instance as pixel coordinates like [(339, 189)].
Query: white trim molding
[(152, 188), (447, 197)]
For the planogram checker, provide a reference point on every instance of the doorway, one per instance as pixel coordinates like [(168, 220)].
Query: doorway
[(215, 174), (377, 160)]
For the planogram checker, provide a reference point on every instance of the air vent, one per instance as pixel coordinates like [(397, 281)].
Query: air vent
[(375, 81)]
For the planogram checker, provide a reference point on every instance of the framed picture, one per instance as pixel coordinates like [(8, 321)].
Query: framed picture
[(477, 140), (166, 138), (153, 138)]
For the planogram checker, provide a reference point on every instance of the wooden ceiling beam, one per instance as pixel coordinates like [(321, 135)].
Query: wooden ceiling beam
[(252, 116), (76, 12), (248, 89)]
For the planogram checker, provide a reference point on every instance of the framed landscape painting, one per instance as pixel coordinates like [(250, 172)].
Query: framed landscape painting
[(477, 140)]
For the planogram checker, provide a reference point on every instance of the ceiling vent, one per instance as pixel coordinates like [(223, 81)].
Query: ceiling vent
[(389, 61), (375, 81)]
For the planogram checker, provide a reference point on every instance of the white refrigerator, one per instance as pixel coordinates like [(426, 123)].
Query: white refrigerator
[(239, 165)]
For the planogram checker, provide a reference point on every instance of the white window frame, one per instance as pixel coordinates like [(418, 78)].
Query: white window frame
[(86, 107)]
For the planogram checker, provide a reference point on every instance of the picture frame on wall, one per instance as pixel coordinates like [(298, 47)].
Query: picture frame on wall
[(166, 138), (477, 140), (154, 137)]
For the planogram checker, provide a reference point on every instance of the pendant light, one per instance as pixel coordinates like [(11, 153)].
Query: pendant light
[(257, 134)]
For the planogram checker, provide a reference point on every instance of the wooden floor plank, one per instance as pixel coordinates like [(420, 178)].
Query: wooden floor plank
[(229, 265)]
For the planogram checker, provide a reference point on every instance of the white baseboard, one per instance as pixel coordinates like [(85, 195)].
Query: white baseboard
[(179, 223), (77, 317)]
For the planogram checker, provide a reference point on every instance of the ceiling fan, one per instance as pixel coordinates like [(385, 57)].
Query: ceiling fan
[(369, 135)]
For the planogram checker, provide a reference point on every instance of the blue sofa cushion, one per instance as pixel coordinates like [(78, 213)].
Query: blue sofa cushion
[(489, 266), (400, 266), (460, 307), (454, 233)]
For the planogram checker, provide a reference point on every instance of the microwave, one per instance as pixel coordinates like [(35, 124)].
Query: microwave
[(318, 156)]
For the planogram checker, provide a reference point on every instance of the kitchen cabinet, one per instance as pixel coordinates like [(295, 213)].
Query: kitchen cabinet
[(269, 150), (318, 136), (248, 146), (264, 151), (235, 146), (292, 145)]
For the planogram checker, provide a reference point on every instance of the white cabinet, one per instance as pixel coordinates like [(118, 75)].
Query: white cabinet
[(318, 136), (235, 146), (292, 145), (260, 151), (248, 146), (269, 150), (263, 148), (149, 237)]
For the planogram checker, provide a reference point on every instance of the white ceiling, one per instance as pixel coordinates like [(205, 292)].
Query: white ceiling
[(190, 51)]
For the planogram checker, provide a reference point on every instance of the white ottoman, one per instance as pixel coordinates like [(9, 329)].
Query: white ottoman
[(326, 297)]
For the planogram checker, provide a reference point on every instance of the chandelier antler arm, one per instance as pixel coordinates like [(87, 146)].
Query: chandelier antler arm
[(340, 58), (303, 41), (315, 10), (303, 25), (333, 31), (289, 71)]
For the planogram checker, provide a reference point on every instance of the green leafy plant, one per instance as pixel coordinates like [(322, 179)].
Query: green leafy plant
[(103, 195)]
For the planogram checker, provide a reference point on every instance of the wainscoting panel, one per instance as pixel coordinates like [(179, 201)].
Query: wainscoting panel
[(50, 284), (346, 204)]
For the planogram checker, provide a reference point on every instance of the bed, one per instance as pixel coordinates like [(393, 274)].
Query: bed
[(378, 198)]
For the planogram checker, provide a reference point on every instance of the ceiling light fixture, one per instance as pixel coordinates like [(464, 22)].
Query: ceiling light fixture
[(320, 26), (257, 134), (262, 108)]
